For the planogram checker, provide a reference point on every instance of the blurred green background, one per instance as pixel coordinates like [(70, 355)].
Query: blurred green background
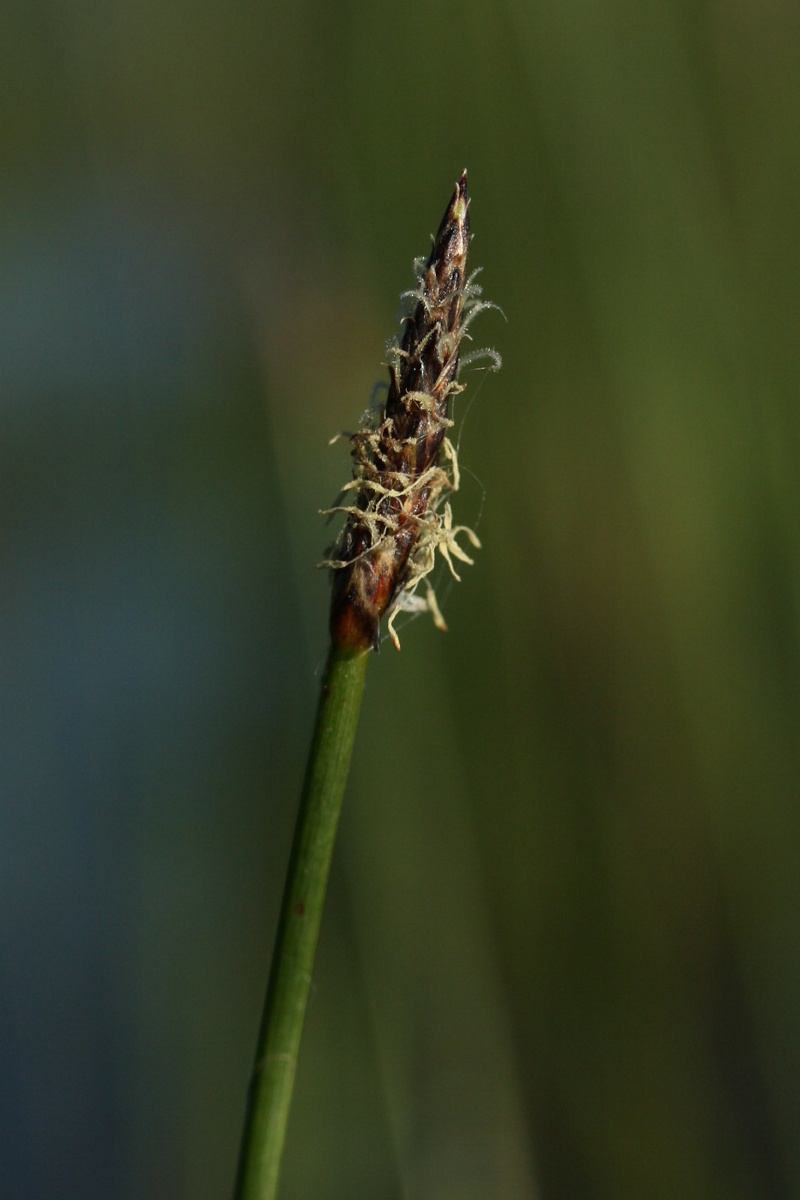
[(561, 956)]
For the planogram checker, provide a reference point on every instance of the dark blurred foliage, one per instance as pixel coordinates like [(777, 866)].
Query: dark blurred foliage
[(562, 952)]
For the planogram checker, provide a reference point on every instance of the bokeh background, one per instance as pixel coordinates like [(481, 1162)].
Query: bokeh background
[(561, 956)]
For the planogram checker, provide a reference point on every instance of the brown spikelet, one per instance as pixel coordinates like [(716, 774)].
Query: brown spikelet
[(394, 526)]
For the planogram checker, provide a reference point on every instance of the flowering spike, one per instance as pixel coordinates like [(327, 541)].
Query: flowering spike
[(393, 529)]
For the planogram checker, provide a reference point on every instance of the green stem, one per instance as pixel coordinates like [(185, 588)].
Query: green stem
[(301, 912)]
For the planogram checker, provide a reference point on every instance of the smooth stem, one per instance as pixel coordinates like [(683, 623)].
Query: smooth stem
[(301, 912)]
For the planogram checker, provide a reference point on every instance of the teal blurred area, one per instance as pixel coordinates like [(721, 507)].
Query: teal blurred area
[(561, 956)]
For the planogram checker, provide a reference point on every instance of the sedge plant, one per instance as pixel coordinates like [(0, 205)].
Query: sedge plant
[(397, 518)]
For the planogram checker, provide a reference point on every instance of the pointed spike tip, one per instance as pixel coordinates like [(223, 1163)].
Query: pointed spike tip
[(460, 202)]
